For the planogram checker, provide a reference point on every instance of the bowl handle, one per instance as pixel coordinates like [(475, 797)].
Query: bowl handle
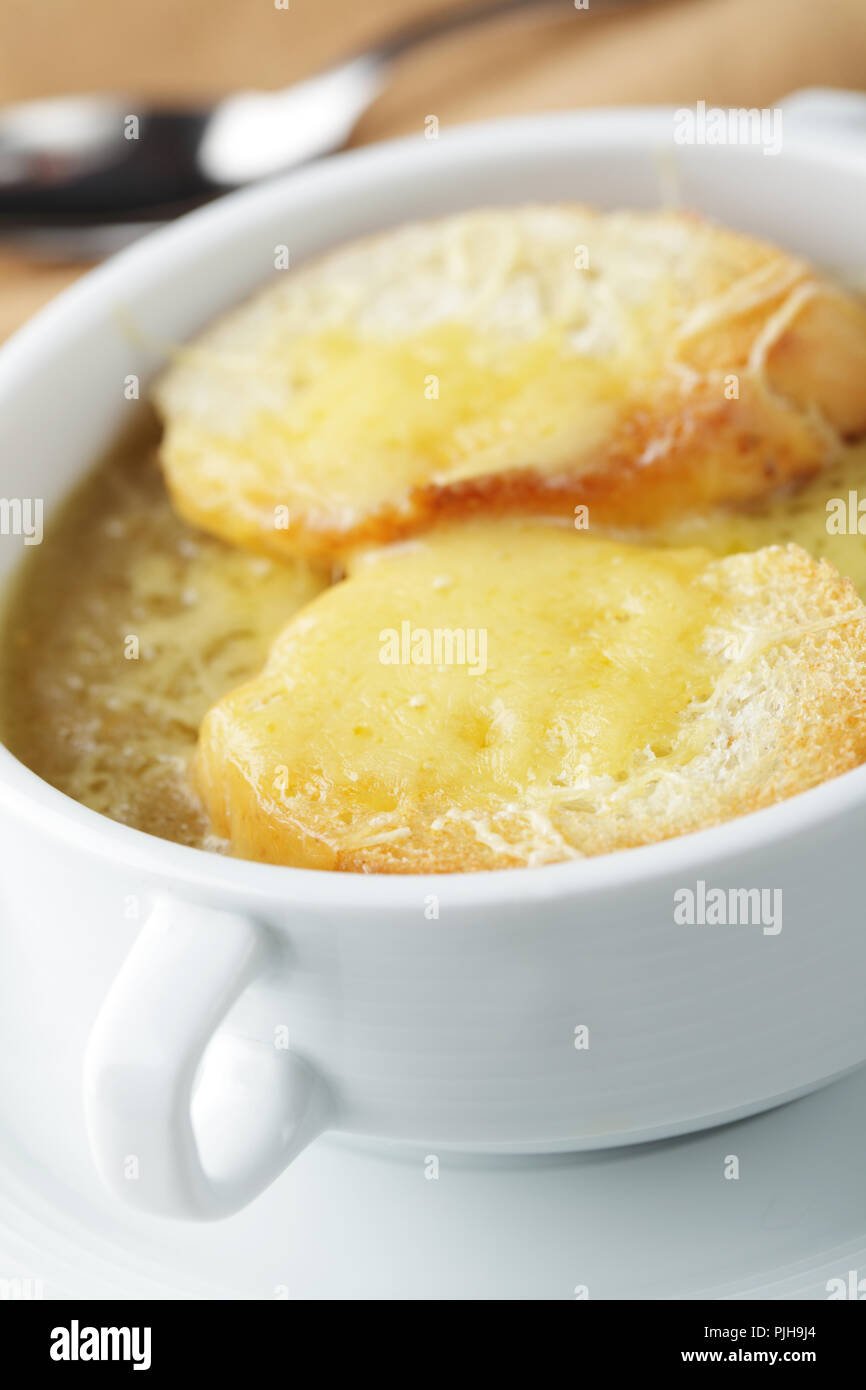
[(827, 113), (261, 1104)]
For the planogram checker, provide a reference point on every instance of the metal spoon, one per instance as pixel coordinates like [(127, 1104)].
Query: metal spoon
[(81, 175)]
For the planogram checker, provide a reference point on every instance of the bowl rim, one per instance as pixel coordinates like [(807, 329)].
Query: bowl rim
[(33, 801)]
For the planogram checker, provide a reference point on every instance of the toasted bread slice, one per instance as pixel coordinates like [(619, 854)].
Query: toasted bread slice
[(534, 359), (514, 692)]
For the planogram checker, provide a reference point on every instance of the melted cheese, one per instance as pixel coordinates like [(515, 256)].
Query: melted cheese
[(438, 407), (510, 358), (566, 657)]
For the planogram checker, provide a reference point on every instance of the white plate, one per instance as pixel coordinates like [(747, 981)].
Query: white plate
[(657, 1221)]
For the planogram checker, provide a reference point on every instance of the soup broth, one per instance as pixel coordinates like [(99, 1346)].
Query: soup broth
[(120, 630), (126, 624)]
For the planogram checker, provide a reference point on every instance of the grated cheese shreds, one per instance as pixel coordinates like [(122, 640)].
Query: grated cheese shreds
[(121, 574)]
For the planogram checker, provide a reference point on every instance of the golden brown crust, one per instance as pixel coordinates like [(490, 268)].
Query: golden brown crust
[(821, 359), (674, 455), (759, 374), (785, 714)]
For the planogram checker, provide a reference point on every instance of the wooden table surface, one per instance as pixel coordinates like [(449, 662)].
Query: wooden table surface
[(726, 52)]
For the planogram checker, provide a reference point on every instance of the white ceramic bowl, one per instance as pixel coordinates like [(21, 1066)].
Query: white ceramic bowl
[(458, 1029)]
